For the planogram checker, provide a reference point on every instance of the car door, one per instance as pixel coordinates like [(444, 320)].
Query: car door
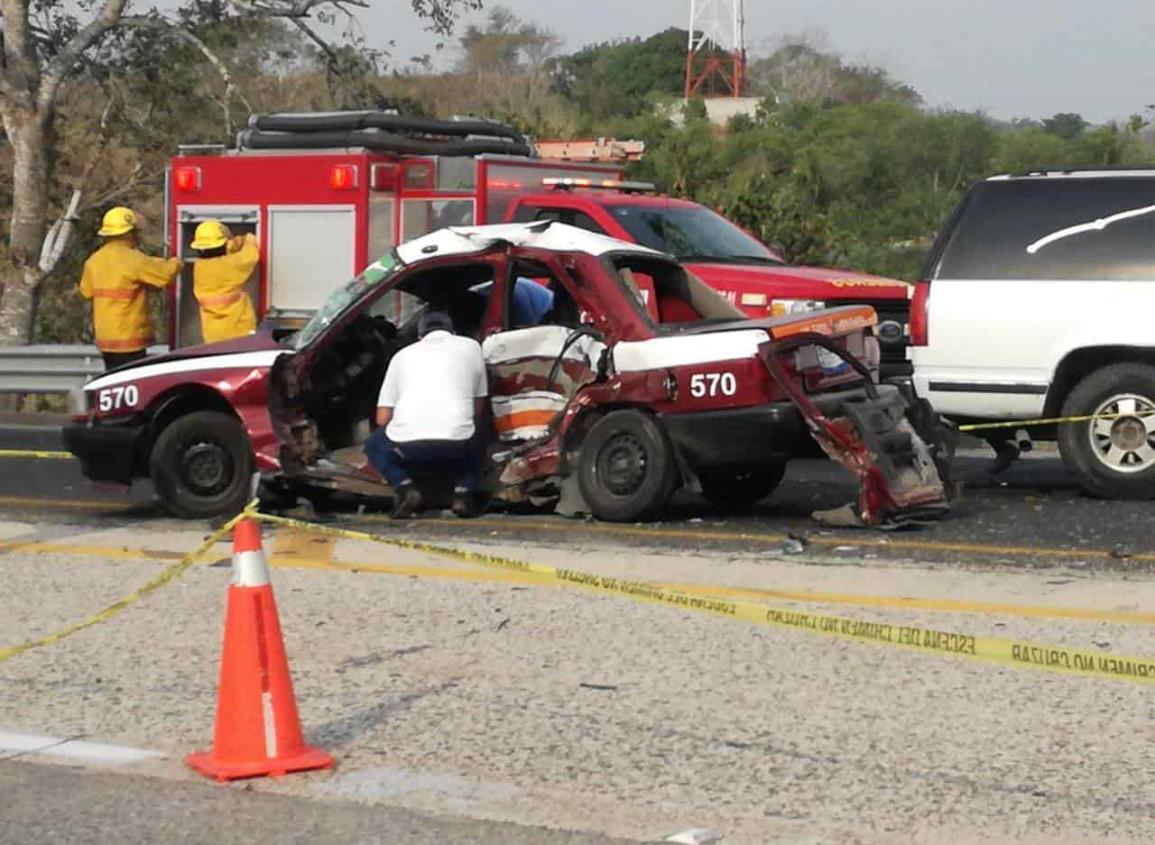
[(322, 399), (537, 365)]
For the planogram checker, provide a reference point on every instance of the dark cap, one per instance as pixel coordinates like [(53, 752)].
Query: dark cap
[(433, 321)]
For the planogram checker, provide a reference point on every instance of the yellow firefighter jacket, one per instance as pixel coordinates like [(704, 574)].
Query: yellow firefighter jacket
[(219, 287), (114, 279)]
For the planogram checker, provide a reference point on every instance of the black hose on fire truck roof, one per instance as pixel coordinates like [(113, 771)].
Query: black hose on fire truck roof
[(379, 141), (310, 122)]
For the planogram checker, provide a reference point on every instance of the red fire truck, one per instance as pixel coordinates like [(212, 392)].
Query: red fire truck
[(328, 193)]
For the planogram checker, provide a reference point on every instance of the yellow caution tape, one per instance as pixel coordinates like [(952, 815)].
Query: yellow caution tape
[(33, 453), (1002, 652), (1050, 421), (170, 574)]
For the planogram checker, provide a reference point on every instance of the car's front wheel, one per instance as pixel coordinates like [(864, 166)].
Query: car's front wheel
[(1112, 454), (626, 469), (201, 465)]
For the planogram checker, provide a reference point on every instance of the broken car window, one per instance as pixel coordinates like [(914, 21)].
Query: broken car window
[(373, 275)]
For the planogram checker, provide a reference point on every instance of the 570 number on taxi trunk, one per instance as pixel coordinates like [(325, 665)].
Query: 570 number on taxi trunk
[(703, 385)]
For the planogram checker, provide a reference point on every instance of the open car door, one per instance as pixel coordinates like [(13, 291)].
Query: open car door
[(323, 399)]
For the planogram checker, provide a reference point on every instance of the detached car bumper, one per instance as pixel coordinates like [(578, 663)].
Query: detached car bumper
[(107, 451)]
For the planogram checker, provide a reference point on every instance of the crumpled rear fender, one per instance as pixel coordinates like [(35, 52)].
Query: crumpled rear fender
[(868, 431)]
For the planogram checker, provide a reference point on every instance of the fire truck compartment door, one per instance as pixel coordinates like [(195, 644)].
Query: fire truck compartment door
[(240, 220), (311, 251)]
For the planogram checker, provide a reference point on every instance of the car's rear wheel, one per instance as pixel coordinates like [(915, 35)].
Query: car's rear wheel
[(201, 465), (626, 468), (1113, 454), (741, 489)]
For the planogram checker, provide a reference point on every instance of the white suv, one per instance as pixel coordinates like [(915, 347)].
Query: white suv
[(1039, 301)]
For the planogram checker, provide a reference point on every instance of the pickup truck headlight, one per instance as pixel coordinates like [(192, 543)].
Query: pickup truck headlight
[(78, 402), (786, 307)]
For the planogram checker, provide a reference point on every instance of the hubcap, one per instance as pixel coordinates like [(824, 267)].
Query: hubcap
[(1123, 433), (206, 468), (621, 464)]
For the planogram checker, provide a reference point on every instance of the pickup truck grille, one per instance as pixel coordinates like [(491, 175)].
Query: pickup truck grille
[(893, 335)]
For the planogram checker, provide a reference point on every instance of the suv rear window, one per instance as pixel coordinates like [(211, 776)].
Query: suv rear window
[(1062, 229)]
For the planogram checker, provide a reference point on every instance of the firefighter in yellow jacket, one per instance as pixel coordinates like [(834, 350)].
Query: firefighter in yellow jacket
[(116, 278), (224, 264)]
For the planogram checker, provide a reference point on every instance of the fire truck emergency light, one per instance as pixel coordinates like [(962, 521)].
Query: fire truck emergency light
[(608, 184), (343, 177), (187, 178), (383, 177)]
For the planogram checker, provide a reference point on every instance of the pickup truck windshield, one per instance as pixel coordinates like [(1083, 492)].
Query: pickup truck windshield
[(373, 275), (691, 233)]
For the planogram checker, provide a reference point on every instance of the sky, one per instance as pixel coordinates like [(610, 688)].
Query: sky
[(1009, 58)]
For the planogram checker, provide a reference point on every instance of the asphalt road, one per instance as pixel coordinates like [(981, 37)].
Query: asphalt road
[(51, 804), (454, 695), (1035, 504)]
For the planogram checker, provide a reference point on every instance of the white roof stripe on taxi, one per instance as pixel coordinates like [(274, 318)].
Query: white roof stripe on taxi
[(238, 360), (687, 350)]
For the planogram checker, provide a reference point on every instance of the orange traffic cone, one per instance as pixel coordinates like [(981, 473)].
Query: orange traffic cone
[(258, 731)]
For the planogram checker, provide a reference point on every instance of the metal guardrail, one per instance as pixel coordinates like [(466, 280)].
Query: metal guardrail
[(50, 367)]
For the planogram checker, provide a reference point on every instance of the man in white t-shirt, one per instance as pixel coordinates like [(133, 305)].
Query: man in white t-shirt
[(430, 412)]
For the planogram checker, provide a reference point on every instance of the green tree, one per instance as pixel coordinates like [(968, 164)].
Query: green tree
[(47, 46), (614, 79), (1067, 125)]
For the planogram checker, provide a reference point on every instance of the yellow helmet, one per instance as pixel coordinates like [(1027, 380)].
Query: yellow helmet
[(211, 234), (117, 221)]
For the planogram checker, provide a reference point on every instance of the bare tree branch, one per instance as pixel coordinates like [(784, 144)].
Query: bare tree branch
[(57, 69), (288, 8), (231, 89), (309, 32)]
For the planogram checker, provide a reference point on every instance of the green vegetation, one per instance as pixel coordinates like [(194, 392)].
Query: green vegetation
[(839, 165)]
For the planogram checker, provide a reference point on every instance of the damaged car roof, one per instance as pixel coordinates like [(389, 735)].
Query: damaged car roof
[(542, 234)]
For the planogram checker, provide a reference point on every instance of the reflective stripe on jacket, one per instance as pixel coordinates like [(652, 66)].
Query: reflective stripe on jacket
[(114, 279), (219, 286)]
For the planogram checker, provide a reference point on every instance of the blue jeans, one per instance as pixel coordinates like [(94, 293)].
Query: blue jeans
[(459, 458)]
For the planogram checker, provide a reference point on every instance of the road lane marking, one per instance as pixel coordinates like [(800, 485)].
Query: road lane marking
[(14, 744), (995, 650), (36, 454), (65, 504), (912, 603), (487, 525), (300, 545), (475, 526)]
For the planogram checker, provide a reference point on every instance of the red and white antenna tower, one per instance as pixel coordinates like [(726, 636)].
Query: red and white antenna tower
[(716, 55)]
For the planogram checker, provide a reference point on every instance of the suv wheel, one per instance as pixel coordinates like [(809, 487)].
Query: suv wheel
[(741, 490), (626, 468), (1113, 455), (201, 465)]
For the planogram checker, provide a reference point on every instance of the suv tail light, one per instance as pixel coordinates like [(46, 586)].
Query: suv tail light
[(920, 315)]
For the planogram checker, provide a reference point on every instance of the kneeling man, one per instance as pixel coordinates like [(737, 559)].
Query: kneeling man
[(431, 413)]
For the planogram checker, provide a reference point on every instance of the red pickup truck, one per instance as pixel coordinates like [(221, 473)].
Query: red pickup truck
[(748, 273)]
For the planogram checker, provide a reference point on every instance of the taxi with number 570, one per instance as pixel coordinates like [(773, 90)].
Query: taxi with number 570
[(637, 379)]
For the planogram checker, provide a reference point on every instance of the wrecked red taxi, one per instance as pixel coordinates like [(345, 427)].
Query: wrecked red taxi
[(637, 380)]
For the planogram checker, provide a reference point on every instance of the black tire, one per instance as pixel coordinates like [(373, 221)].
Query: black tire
[(626, 467), (201, 465), (1104, 461), (743, 489)]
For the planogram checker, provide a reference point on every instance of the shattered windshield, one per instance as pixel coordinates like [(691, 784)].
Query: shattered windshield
[(373, 275), (691, 233)]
